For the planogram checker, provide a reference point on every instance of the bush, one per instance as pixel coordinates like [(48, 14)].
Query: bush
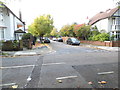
[(100, 37), (7, 46), (27, 36), (10, 45), (15, 45)]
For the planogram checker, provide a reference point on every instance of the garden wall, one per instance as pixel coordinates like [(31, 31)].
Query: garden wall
[(100, 43), (105, 43)]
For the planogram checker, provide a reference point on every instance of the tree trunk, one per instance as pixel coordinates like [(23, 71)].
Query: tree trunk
[(41, 39)]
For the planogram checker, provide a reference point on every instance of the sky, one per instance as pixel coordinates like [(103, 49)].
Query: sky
[(63, 11)]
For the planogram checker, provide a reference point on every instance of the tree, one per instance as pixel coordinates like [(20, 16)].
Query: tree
[(67, 30), (64, 30), (83, 32), (71, 30), (1, 4), (54, 32), (41, 26)]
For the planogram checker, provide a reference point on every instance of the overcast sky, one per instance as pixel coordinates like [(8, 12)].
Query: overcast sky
[(63, 11)]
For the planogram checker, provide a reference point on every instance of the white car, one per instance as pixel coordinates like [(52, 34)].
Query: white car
[(54, 39)]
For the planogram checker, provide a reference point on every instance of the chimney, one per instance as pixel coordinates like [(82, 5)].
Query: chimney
[(20, 15)]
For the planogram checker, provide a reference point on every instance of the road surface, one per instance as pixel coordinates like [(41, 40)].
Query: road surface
[(65, 66)]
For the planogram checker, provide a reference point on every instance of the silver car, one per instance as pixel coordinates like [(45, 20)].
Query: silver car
[(73, 41)]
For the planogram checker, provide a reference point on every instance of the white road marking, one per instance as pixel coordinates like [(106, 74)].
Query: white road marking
[(29, 78), (51, 52), (54, 63), (17, 66), (25, 53), (7, 84), (110, 72), (66, 77)]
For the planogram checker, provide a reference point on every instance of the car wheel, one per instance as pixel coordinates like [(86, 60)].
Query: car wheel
[(70, 43)]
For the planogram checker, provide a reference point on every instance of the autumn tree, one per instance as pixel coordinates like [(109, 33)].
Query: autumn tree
[(54, 32), (67, 30), (83, 32), (42, 25)]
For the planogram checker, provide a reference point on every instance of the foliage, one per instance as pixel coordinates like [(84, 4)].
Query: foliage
[(95, 32), (10, 45), (67, 30), (27, 36), (100, 37), (41, 25), (47, 35), (83, 32), (54, 32), (1, 4), (15, 44), (64, 29), (112, 37)]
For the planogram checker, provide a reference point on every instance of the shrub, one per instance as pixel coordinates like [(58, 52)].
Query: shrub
[(7, 46), (27, 40), (15, 45), (100, 37), (10, 45), (27, 36)]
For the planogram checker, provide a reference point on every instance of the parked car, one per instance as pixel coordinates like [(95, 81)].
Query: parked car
[(54, 39), (46, 40), (60, 40), (73, 41)]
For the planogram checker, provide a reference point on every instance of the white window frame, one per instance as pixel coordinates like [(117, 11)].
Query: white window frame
[(2, 32)]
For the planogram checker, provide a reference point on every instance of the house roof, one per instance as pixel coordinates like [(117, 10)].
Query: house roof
[(19, 31), (13, 13), (102, 15), (78, 26)]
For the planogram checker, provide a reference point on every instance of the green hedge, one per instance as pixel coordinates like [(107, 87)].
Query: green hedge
[(11, 45), (100, 37)]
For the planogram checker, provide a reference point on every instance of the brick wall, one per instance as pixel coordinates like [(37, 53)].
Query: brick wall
[(100, 43), (105, 43)]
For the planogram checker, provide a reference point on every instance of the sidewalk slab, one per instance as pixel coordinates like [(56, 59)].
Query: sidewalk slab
[(24, 53), (102, 47), (109, 48)]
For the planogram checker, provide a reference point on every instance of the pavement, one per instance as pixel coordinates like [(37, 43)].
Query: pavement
[(39, 49), (117, 49)]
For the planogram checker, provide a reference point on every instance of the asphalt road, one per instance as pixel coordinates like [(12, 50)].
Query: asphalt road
[(16, 70), (65, 66)]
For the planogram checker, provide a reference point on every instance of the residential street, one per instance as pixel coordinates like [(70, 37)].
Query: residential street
[(62, 66)]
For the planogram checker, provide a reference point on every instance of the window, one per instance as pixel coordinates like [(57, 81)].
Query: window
[(113, 21), (1, 16), (1, 33), (119, 21)]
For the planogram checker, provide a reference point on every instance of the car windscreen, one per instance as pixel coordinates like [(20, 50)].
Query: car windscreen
[(74, 39)]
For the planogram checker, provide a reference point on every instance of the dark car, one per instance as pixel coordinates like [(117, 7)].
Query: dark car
[(46, 40), (73, 41), (60, 40)]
